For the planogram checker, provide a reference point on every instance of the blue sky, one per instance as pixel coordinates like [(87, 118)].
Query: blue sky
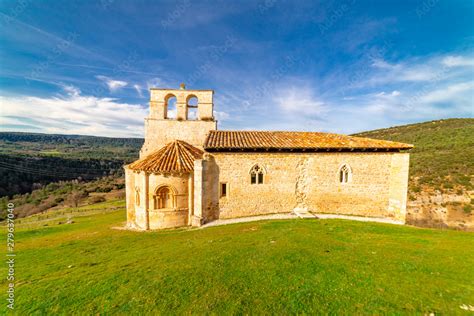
[(85, 67)]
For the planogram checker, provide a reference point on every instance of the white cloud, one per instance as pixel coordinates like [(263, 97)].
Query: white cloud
[(112, 84), (421, 104), (299, 100), (379, 63), (155, 83), (74, 113), (418, 70), (221, 116), (138, 88), (72, 91), (450, 93), (394, 93), (456, 61)]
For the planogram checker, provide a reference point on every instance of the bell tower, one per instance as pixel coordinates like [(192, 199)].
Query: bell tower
[(164, 125)]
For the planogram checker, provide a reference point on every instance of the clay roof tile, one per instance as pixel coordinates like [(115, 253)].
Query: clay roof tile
[(177, 156), (250, 140)]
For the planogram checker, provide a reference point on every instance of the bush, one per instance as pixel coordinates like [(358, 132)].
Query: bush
[(448, 185), (416, 189), (97, 199), (58, 200), (467, 208), (105, 189)]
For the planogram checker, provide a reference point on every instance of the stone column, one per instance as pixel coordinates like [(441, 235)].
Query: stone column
[(157, 110), (190, 198), (182, 114), (198, 193), (129, 191), (146, 200)]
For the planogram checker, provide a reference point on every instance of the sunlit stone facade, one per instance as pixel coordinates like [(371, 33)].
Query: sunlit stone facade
[(202, 182)]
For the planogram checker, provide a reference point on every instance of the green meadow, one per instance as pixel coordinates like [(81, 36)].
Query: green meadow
[(265, 267)]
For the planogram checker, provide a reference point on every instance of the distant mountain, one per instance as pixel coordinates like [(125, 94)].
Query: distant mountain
[(69, 146), (29, 160)]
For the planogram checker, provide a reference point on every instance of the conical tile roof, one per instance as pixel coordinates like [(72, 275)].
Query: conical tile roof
[(177, 156)]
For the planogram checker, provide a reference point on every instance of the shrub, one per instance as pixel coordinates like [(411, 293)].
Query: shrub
[(75, 197), (97, 199), (416, 189), (119, 186), (448, 185), (467, 208)]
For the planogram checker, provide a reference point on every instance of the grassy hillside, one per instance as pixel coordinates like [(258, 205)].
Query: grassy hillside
[(29, 161), (64, 193), (441, 162), (69, 146), (443, 153), (267, 267)]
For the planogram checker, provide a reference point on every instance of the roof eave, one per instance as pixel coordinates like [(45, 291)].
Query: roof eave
[(302, 149)]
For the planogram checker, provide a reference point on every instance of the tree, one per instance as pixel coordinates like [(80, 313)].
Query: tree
[(75, 197)]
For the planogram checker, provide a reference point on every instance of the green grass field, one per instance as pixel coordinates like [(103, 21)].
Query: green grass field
[(287, 266)]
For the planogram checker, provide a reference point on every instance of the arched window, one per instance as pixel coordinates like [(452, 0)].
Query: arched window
[(192, 107), (170, 107), (164, 198), (137, 196), (345, 174), (257, 175)]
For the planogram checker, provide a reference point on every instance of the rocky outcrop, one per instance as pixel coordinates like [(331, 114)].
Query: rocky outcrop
[(441, 210)]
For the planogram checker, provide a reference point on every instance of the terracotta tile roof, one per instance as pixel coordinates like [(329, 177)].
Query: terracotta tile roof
[(177, 156), (254, 140)]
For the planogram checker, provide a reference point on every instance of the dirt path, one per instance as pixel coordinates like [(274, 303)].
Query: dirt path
[(293, 216)]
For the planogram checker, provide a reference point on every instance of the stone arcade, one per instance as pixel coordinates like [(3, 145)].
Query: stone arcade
[(189, 173)]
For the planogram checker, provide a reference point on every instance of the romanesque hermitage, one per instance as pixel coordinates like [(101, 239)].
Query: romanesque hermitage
[(189, 173)]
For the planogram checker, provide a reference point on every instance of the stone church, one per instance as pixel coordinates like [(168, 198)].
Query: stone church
[(190, 173)]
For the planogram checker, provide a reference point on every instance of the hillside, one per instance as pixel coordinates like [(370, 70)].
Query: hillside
[(69, 146), (441, 171), (74, 262), (440, 187), (29, 161), (443, 153)]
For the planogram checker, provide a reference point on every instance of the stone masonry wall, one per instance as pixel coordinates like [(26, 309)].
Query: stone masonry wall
[(137, 216), (158, 133), (310, 181), (160, 129), (136, 211), (159, 98)]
